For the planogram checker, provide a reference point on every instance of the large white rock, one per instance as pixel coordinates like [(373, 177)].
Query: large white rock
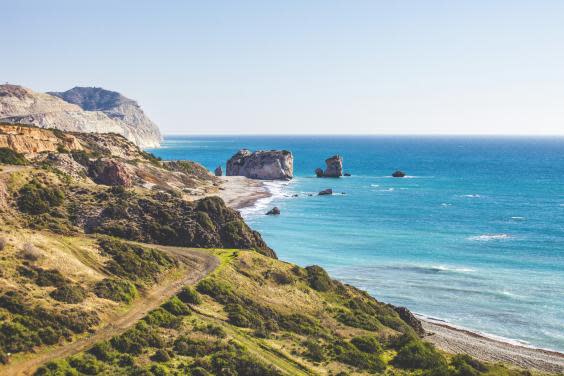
[(262, 164)]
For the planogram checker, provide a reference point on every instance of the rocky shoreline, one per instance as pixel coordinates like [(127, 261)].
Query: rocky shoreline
[(241, 192)]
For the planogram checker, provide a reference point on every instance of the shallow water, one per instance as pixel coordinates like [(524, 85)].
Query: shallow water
[(474, 235)]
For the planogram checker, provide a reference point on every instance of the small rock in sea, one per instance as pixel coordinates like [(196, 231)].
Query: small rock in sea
[(319, 172), (218, 171), (324, 192), (273, 211), (309, 194), (295, 195), (347, 174), (398, 174)]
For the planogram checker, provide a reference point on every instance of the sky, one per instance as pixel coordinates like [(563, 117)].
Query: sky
[(302, 67)]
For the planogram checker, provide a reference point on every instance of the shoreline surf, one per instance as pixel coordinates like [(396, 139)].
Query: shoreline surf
[(251, 197)]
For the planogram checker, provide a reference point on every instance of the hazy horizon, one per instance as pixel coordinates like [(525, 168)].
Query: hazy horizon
[(250, 67)]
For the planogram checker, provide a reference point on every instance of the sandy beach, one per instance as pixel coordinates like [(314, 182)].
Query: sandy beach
[(240, 192), (454, 340)]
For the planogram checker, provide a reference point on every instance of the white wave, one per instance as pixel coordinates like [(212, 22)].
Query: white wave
[(472, 196), (518, 218), (277, 190), (446, 204), (488, 237), (375, 185)]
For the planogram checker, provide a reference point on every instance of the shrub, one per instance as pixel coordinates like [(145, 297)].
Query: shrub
[(161, 356), (199, 371), (136, 339), (237, 362), (56, 368), (346, 353), (212, 329), (189, 295), (417, 354), (43, 277), (102, 351), (115, 289), (159, 370), (163, 318), (176, 307), (8, 156), (35, 198), (314, 350), (86, 364), (69, 294), (318, 278), (3, 243), (465, 365), (367, 344)]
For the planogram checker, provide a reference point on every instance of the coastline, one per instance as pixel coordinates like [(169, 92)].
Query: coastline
[(244, 193)]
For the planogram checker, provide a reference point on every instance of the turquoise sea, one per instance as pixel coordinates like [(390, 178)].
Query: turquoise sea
[(474, 235)]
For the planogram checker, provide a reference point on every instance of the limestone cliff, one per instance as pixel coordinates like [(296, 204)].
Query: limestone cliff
[(31, 141), (262, 164), (19, 105)]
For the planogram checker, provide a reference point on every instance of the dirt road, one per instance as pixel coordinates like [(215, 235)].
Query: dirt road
[(196, 264)]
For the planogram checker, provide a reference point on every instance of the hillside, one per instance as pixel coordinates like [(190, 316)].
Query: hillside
[(105, 112), (113, 262)]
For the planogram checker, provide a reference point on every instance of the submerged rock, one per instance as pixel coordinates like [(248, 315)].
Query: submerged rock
[(347, 174), (398, 174), (273, 211), (262, 164), (325, 192), (218, 171)]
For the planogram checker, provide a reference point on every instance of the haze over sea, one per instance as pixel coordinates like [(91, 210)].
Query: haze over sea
[(474, 235)]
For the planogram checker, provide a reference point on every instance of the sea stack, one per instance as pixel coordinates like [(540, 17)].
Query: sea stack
[(274, 211), (262, 164), (218, 171), (333, 169)]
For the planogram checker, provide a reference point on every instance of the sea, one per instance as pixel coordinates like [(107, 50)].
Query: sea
[(473, 235)]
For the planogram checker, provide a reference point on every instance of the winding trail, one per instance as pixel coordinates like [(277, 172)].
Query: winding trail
[(196, 265)]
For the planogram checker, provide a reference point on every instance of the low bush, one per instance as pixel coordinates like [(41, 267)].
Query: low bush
[(238, 362), (163, 318), (69, 294), (189, 295), (318, 278), (465, 365), (30, 253), (160, 356), (347, 353), (56, 368), (211, 329), (196, 347), (3, 243), (43, 277), (419, 355), (118, 290), (86, 364), (8, 156), (103, 351), (36, 198), (314, 350), (176, 307), (136, 339), (367, 344)]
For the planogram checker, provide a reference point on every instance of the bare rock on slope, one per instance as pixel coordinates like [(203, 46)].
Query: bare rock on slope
[(262, 164), (19, 105)]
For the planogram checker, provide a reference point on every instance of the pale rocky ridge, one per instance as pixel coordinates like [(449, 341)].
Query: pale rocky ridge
[(116, 114), (262, 164)]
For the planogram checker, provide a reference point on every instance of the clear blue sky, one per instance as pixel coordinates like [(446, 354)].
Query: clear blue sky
[(393, 67)]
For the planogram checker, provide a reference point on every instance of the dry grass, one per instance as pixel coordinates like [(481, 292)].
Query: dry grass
[(29, 252)]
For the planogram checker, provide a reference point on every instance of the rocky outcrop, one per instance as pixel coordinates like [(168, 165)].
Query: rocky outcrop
[(110, 172), (137, 127), (218, 171), (325, 192), (398, 174), (408, 317), (333, 169), (19, 105), (32, 141), (267, 165), (274, 211)]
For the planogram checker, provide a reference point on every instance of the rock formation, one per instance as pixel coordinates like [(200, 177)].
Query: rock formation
[(274, 211), (333, 169), (79, 110), (347, 174), (398, 174), (408, 317), (110, 172), (32, 141), (325, 192), (218, 171), (267, 165)]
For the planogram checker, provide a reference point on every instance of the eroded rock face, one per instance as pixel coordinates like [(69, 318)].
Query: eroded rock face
[(110, 172), (115, 113), (406, 315), (267, 165), (31, 141), (333, 169)]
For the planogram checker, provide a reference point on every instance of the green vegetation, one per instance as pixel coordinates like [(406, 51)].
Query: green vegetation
[(115, 289), (8, 156), (36, 198), (318, 278), (135, 263), (419, 355), (189, 295), (69, 294)]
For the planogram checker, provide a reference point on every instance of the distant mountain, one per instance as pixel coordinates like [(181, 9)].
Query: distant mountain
[(82, 109)]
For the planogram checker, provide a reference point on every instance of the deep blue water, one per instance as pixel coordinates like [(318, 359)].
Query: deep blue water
[(474, 235)]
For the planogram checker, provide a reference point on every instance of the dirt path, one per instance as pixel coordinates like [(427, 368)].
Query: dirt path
[(196, 263)]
